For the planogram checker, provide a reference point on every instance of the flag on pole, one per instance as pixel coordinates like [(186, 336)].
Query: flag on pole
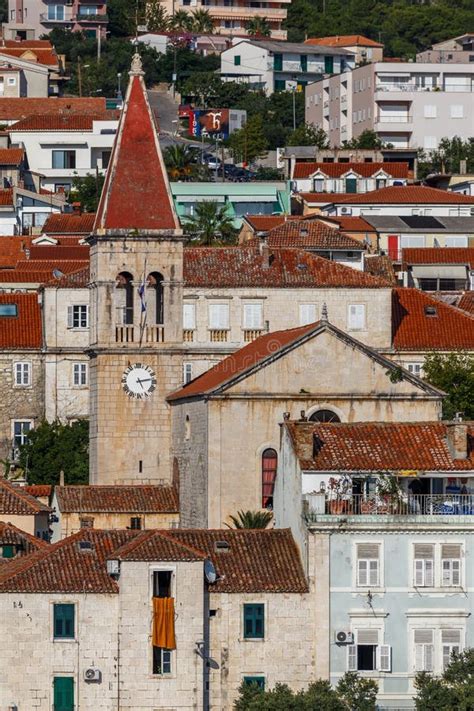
[(141, 293)]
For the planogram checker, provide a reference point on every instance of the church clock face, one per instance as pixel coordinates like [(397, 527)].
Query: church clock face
[(139, 381)]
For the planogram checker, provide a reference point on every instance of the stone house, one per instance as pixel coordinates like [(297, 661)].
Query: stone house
[(23, 511), (87, 609)]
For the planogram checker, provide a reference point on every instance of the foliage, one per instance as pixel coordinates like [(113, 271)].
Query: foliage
[(308, 135), (87, 191), (124, 17), (3, 10), (202, 22), (404, 26), (258, 26), (251, 519), (267, 173), (453, 690), (210, 225), (53, 447), (447, 157), (181, 164), (157, 20), (249, 143), (352, 692), (368, 139), (453, 373), (181, 21)]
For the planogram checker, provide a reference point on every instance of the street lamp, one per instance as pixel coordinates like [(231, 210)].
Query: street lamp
[(119, 86)]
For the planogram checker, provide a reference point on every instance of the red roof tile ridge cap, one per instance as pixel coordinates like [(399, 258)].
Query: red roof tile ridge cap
[(27, 498)]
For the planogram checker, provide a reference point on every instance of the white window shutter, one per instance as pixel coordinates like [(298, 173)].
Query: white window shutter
[(384, 662), (189, 316), (373, 572), (69, 317), (307, 314), (352, 657), (356, 316), (456, 572), (429, 577), (252, 316), (362, 572), (419, 577), (428, 657), (419, 657)]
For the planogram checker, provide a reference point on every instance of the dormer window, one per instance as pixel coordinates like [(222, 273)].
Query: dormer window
[(8, 310), (431, 311)]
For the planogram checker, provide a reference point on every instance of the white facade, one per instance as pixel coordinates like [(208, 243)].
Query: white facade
[(319, 181), (390, 209)]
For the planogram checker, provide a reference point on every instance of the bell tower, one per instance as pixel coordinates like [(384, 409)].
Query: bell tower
[(135, 304)]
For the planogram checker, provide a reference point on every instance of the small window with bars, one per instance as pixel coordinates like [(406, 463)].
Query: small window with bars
[(368, 564), (424, 650), (423, 565), (451, 564), (451, 645)]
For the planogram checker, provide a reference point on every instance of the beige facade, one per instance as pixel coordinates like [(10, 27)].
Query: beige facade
[(35, 524), (73, 522)]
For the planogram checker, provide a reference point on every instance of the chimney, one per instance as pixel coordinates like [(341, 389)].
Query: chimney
[(265, 252), (463, 166), (61, 478), (457, 437)]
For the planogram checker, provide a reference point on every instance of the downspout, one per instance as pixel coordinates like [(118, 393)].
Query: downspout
[(206, 650)]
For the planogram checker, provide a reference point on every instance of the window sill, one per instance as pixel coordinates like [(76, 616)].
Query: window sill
[(23, 387), (252, 639), (78, 328), (67, 640)]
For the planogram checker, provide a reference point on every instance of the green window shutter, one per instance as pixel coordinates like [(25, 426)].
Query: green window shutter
[(351, 185), (280, 85), (63, 622), (63, 693), (254, 621), (258, 680), (278, 62), (7, 551), (237, 60), (304, 62), (329, 65)]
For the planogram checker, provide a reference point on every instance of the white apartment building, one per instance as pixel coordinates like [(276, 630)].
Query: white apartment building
[(61, 147), (278, 66), (408, 105)]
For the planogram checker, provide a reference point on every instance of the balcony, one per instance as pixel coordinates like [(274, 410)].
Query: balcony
[(132, 334), (393, 119), (188, 335), (93, 19), (410, 87), (243, 12), (250, 334), (218, 335), (64, 19)]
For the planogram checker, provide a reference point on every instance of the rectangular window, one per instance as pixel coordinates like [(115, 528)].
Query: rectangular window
[(430, 111), (219, 316), (8, 310), (162, 580), (254, 621), (63, 691), (460, 241), (22, 374), (457, 111), (304, 62), (424, 650), (423, 565), (189, 317), (329, 65), (56, 12), (63, 621), (7, 551), (451, 644), (412, 241), (252, 316), (368, 564), (80, 374), (258, 680), (450, 564), (366, 655), (187, 372), (161, 661), (20, 431), (237, 60), (430, 142), (64, 160), (278, 62), (307, 314), (356, 317), (415, 369), (78, 316)]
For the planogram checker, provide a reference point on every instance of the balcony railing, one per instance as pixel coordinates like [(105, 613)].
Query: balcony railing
[(81, 17), (250, 334), (124, 334), (154, 334), (415, 87), (188, 335), (45, 18), (393, 119), (408, 505), (218, 335)]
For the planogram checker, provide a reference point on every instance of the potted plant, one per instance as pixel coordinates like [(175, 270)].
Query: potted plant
[(389, 492)]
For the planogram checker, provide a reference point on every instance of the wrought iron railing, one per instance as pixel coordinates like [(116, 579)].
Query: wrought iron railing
[(406, 505)]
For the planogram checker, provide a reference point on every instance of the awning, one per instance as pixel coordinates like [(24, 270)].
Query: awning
[(199, 198), (434, 271)]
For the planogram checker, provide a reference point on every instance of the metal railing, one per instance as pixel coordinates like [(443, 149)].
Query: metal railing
[(464, 88), (411, 504), (393, 119)]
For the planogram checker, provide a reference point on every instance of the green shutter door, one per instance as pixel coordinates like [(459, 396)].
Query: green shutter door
[(7, 551), (329, 65), (351, 185), (63, 693), (280, 85), (304, 62), (278, 62)]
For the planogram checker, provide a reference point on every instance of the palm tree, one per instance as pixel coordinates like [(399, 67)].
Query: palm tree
[(251, 519), (258, 26), (202, 22), (210, 225), (157, 19), (181, 21), (179, 161)]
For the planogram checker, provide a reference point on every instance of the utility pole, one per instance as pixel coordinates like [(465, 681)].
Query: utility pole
[(79, 75), (99, 43)]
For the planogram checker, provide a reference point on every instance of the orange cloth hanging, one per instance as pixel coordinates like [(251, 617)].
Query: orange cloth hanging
[(163, 623)]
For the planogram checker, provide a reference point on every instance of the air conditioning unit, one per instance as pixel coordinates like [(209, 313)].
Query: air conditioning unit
[(92, 675), (343, 637), (346, 210)]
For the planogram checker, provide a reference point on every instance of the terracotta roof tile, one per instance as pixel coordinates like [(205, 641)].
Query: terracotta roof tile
[(17, 276), (310, 234), (39, 490), (79, 252), (15, 501), (74, 280), (406, 194), (10, 535), (439, 255), (113, 499), (66, 266), (18, 108), (243, 266), (40, 55), (61, 122), (23, 330), (264, 223), (376, 446), (448, 329), (157, 545), (466, 302), (344, 41), (67, 223), (11, 156), (381, 267), (136, 194), (321, 198), (353, 224), (336, 170), (6, 197), (12, 248)]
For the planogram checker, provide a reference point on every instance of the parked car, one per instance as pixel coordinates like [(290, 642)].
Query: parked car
[(211, 161)]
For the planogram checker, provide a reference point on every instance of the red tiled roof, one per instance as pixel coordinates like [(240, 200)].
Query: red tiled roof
[(466, 302), (439, 255), (6, 196), (381, 267), (405, 194), (236, 267), (11, 156), (343, 41), (49, 265), (305, 234), (15, 501), (53, 253), (28, 44), (17, 276), (12, 248), (39, 490), (61, 122), (114, 499), (335, 170), (264, 223), (23, 330), (413, 329), (136, 194), (42, 55), (157, 545), (10, 535), (242, 360), (353, 224), (376, 446), (20, 107), (67, 223), (74, 280)]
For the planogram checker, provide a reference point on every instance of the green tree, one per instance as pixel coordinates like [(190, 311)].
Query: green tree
[(202, 22), (3, 11), (203, 87), (181, 164), (453, 691), (123, 16), (453, 373), (447, 157), (251, 519), (87, 191), (181, 21), (249, 143), (210, 225), (308, 135), (53, 447), (368, 139), (157, 19), (258, 26), (358, 693)]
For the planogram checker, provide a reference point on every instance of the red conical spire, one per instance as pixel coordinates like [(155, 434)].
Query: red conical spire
[(136, 193)]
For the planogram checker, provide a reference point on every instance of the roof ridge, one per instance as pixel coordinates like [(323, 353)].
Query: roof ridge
[(33, 539), (27, 498)]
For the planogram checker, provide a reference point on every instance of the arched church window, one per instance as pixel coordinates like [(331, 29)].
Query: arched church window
[(124, 285), (324, 416), (269, 472), (155, 298)]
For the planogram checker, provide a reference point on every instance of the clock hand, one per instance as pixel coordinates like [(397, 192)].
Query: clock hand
[(145, 380)]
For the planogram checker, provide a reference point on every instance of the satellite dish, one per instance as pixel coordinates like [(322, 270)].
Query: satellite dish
[(210, 572)]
